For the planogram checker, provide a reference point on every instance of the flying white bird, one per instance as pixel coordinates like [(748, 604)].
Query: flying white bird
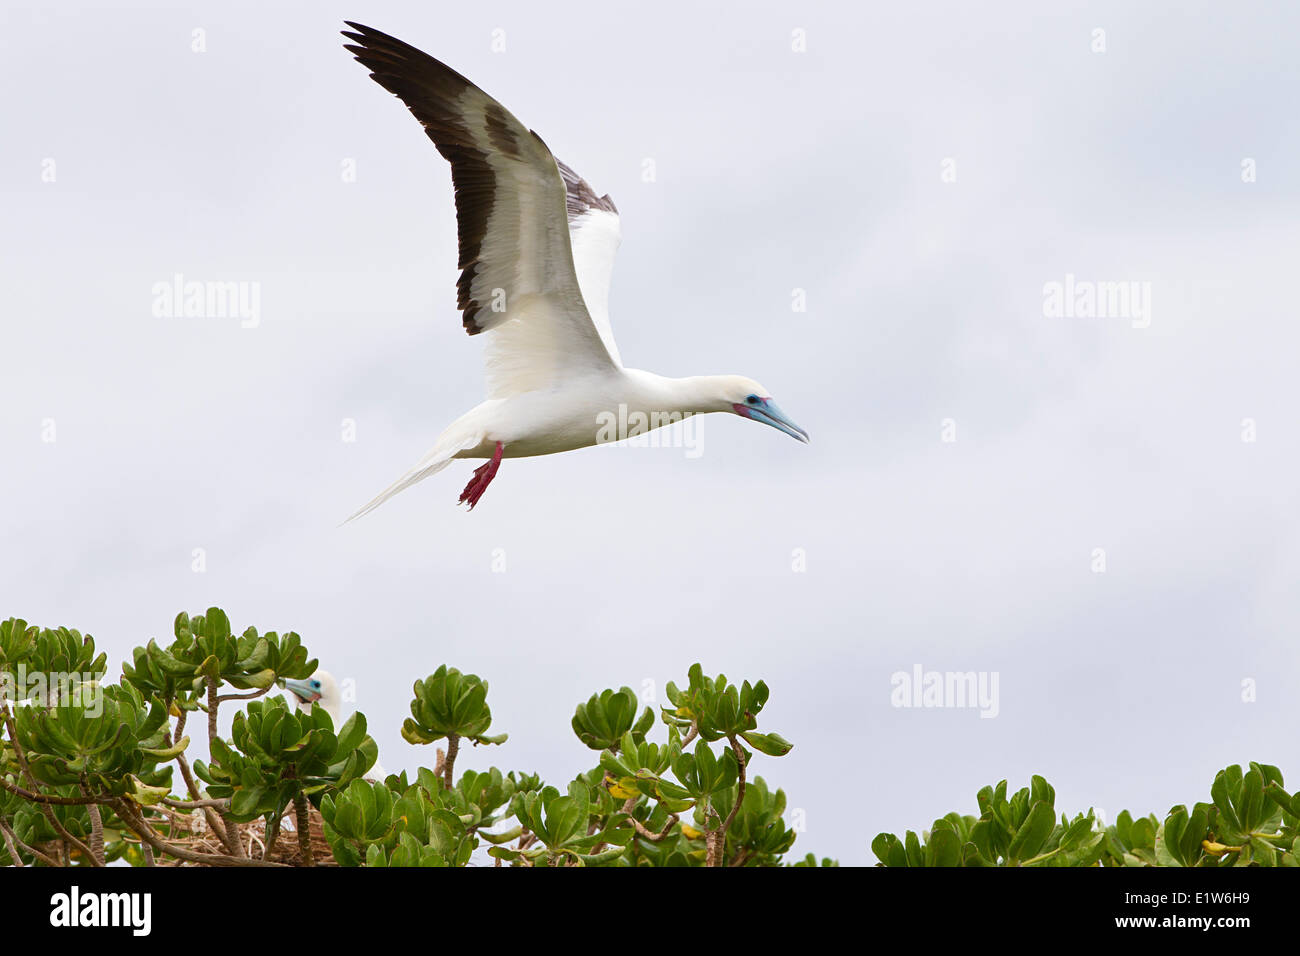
[(536, 252), (322, 688)]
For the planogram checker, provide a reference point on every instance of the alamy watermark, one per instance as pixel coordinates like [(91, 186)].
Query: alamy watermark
[(78, 907), (194, 299), (946, 689), (646, 430), (51, 689), (1085, 299)]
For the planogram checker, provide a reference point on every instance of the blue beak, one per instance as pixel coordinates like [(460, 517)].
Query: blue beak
[(302, 690), (768, 413)]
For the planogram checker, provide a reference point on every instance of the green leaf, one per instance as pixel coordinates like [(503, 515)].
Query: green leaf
[(774, 745), (1033, 833), (169, 753)]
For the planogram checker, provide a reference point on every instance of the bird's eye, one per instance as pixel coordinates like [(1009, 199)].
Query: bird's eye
[(752, 400), (315, 685)]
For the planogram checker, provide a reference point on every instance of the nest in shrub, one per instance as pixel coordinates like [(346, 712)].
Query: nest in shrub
[(191, 832)]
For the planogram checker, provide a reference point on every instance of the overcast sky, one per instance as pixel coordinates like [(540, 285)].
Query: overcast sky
[(1101, 511)]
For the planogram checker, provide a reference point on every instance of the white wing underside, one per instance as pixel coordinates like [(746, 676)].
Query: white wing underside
[(595, 237), (541, 341)]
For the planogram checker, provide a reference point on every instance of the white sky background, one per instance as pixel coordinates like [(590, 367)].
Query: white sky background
[(776, 170)]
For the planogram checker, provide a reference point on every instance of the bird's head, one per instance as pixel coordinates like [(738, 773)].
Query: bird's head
[(748, 399), (321, 687)]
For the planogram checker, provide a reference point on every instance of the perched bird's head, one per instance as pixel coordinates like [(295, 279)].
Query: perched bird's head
[(321, 687), (748, 399)]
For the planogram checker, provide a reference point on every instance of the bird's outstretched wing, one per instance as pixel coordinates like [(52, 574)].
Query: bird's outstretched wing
[(514, 212), (594, 234)]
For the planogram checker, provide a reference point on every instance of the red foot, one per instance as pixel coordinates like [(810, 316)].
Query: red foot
[(483, 476)]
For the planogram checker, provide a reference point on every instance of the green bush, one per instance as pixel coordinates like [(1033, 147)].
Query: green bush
[(1250, 821), (86, 768), (93, 772)]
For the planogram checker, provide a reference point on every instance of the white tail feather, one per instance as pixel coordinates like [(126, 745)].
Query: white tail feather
[(435, 461)]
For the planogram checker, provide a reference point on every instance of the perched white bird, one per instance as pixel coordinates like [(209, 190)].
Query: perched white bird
[(536, 252), (322, 688)]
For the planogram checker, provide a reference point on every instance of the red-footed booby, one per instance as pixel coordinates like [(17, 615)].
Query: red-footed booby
[(321, 688), (536, 252)]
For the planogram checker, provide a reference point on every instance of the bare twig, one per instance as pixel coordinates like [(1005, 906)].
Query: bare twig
[(213, 705), (96, 825), (252, 695), (46, 798), (716, 838), (223, 803), (215, 823), (233, 843), (14, 858), (304, 829), (650, 835), (453, 748), (272, 835), (140, 826), (740, 790), (12, 842)]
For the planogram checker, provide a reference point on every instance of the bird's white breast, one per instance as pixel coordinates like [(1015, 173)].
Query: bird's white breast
[(583, 412)]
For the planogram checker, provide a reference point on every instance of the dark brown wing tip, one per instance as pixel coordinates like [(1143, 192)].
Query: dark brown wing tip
[(426, 85), (363, 34), (375, 41), (361, 28), (382, 53)]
